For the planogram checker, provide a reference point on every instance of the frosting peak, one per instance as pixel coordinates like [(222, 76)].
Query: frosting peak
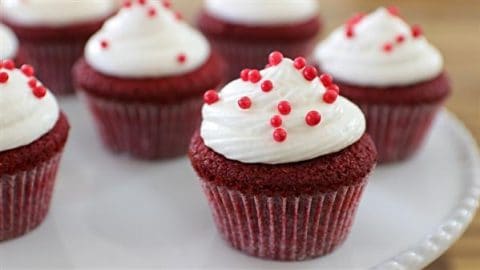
[(281, 114), (55, 13), (379, 49), (265, 12), (28, 110), (9, 43), (146, 40)]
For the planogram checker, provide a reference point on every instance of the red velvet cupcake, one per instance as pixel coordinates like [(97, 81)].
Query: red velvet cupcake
[(244, 31), (9, 47), (53, 33), (143, 76), (395, 76), (283, 161), (33, 134)]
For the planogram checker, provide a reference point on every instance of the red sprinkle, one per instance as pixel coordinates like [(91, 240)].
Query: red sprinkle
[(181, 58), (313, 118), (104, 44), (276, 121), (334, 87), (416, 31), (8, 64), (400, 38), (267, 86), (275, 58), (32, 83), (254, 76), (284, 107), (167, 3), (152, 12), (330, 96), (178, 16), (39, 91), (279, 134), (3, 77), (28, 70), (299, 62), (393, 10), (244, 74), (310, 73), (245, 103), (349, 32), (387, 47), (210, 97), (326, 79), (142, 2), (127, 4)]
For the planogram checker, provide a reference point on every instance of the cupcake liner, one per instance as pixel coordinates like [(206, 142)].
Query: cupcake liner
[(240, 55), (53, 62), (284, 228), (25, 198), (146, 131), (398, 130)]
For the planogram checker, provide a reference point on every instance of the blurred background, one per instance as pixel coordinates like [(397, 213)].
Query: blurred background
[(454, 28)]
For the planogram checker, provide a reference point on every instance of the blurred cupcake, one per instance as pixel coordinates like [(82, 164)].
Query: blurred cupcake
[(391, 71), (9, 47), (33, 134), (143, 76), (53, 33), (283, 161), (244, 31)]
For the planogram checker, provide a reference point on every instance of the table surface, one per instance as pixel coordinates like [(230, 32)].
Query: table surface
[(454, 27)]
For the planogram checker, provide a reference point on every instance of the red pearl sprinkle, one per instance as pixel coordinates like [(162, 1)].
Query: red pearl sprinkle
[(313, 118), (3, 77), (299, 62), (334, 87), (210, 97), (244, 74), (127, 4), (245, 103), (416, 31), (104, 44), (178, 16), (181, 58), (349, 31), (393, 10), (167, 4), (276, 121), (326, 79), (387, 47), (152, 12), (254, 76), (8, 64), (310, 73), (400, 38), (330, 96), (275, 58), (267, 86), (142, 2), (284, 107), (32, 82), (28, 70), (279, 134), (39, 91)]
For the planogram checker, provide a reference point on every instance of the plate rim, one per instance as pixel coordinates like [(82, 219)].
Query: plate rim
[(432, 246)]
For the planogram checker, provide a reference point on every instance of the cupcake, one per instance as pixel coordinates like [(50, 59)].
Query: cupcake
[(9, 47), (143, 76), (244, 31), (33, 134), (52, 34), (283, 161), (393, 73)]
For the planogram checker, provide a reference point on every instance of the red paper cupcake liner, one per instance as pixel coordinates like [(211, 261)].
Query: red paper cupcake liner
[(53, 62), (25, 198), (284, 228), (240, 55), (146, 131), (398, 130)]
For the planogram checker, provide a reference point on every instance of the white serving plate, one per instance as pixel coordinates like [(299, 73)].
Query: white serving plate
[(113, 212)]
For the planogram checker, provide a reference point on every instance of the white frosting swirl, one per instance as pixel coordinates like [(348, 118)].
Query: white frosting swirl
[(9, 46), (55, 13), (24, 117), (360, 60), (265, 12), (142, 46), (246, 135)]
